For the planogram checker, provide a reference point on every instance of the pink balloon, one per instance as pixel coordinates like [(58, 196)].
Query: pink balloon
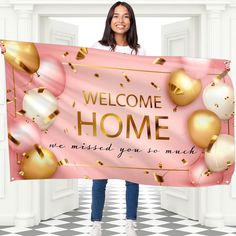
[(196, 67), (22, 81), (197, 176), (23, 134), (51, 75)]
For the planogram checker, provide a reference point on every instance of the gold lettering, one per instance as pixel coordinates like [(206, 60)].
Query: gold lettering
[(138, 133), (117, 99), (128, 100), (102, 97), (80, 123), (110, 101), (104, 131), (90, 96), (157, 99), (149, 100), (158, 127)]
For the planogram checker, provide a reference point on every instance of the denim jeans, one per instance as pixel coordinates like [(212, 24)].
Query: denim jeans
[(98, 199)]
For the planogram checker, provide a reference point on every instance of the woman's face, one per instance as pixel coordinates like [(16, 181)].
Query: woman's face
[(120, 22)]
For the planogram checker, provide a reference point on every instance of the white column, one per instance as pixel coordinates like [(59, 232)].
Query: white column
[(26, 215), (214, 210), (24, 18)]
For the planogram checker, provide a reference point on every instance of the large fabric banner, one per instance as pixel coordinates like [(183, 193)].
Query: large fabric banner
[(77, 112)]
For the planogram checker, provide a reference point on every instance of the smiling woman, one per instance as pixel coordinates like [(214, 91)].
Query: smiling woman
[(120, 35)]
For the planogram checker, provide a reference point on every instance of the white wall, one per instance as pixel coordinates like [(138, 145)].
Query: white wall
[(149, 30), (221, 17)]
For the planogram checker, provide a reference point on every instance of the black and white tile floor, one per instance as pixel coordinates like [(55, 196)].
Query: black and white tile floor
[(152, 220)]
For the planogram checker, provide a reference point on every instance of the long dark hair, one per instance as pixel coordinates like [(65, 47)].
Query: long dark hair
[(108, 38)]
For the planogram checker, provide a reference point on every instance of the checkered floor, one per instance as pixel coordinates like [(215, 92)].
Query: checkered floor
[(152, 220)]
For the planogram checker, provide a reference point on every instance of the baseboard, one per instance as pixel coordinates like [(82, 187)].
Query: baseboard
[(6, 220)]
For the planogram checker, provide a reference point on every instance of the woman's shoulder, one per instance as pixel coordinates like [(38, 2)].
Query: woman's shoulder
[(141, 51), (98, 45)]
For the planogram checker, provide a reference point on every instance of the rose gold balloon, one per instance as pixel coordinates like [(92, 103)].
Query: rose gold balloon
[(22, 135), (51, 75), (202, 126), (22, 55), (200, 175), (38, 163), (183, 89)]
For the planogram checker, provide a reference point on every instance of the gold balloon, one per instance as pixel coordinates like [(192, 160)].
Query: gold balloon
[(203, 126), (22, 56), (183, 89), (39, 163)]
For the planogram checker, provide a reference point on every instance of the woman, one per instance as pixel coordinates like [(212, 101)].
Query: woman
[(120, 35)]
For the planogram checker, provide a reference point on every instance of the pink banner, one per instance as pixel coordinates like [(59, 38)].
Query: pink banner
[(78, 112)]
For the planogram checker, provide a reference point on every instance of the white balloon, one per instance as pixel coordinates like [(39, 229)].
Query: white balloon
[(219, 98), (221, 153), (41, 106)]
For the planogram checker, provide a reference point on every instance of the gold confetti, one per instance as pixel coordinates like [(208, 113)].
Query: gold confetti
[(228, 163), (158, 178), (126, 77), (86, 177), (21, 112), (184, 161), (39, 150), (21, 173), (82, 53), (41, 90), (160, 165), (216, 105), (159, 61), (9, 101), (51, 116), (212, 141), (226, 97), (65, 54), (220, 76), (213, 84), (121, 85), (15, 141), (72, 67), (63, 162), (207, 173), (73, 105), (99, 162), (175, 109), (96, 75), (66, 131), (146, 172), (25, 155), (155, 86)]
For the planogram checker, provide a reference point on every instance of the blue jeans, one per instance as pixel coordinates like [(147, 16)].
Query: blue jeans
[(98, 199)]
